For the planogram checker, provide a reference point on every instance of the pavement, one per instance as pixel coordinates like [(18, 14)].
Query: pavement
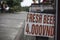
[(12, 25)]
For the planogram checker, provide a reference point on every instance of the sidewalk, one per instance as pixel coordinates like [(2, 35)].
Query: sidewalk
[(10, 25)]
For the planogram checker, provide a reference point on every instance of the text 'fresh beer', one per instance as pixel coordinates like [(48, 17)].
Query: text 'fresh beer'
[(39, 18)]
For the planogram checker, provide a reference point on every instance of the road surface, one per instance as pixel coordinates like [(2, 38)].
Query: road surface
[(12, 26)]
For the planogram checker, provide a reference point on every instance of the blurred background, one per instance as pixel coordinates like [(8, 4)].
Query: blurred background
[(13, 17), (23, 5)]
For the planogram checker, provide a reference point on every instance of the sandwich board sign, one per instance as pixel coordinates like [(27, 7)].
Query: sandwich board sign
[(39, 24)]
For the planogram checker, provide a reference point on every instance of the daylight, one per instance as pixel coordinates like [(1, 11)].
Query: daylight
[(28, 2)]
